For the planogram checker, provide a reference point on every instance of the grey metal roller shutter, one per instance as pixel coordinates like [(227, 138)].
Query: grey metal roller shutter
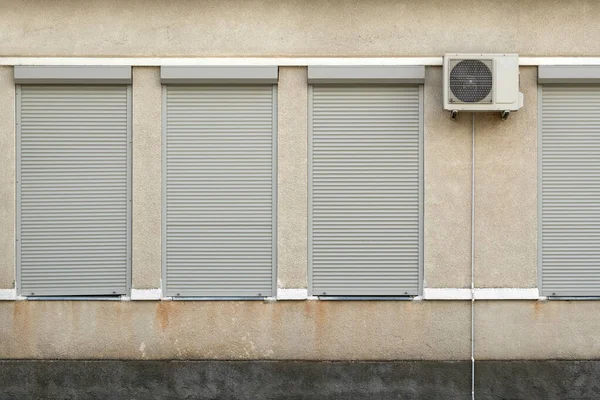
[(366, 193), (569, 196), (220, 190), (73, 189)]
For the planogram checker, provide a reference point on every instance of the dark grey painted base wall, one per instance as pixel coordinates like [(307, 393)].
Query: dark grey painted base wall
[(291, 380)]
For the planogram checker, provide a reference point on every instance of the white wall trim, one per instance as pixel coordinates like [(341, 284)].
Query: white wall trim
[(535, 61), (481, 294), (146, 294), (8, 294), (292, 294), (270, 61), (302, 294), (507, 294), (220, 61), (446, 294)]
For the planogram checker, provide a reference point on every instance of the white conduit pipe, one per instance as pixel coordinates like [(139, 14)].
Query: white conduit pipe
[(473, 258)]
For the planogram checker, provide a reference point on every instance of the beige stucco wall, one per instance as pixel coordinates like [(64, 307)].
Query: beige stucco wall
[(447, 191), (292, 183), (335, 330), (315, 330), (506, 194), (299, 28), (537, 330), (147, 172), (7, 178)]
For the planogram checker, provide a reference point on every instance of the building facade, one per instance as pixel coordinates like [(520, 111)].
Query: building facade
[(176, 184)]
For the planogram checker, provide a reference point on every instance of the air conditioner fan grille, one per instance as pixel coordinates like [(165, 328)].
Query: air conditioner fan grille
[(471, 81)]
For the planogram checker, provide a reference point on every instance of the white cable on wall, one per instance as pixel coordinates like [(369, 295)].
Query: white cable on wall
[(473, 257)]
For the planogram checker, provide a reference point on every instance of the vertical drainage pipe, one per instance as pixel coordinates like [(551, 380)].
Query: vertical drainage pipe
[(473, 258)]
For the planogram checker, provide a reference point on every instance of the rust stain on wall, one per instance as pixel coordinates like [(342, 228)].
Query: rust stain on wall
[(162, 314), (22, 329), (320, 320), (537, 308), (19, 310)]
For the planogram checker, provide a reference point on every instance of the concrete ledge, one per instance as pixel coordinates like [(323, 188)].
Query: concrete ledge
[(146, 294), (446, 294), (507, 294), (277, 61), (302, 294), (8, 294), (481, 294), (292, 294)]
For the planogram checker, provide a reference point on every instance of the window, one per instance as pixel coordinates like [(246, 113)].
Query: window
[(73, 181), (220, 182), (366, 182), (569, 195)]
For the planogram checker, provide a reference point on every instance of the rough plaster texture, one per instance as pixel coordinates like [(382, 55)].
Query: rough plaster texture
[(7, 178), (507, 330), (447, 208), (299, 380), (147, 189), (537, 379), (299, 28), (292, 178), (506, 194), (235, 380), (231, 330)]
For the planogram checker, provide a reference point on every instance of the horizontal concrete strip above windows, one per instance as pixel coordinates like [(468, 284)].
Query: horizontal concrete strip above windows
[(70, 74), (569, 74), (219, 74), (412, 74), (270, 61), (223, 61)]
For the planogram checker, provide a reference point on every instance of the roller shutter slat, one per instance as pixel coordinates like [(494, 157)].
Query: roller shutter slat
[(570, 190), (219, 190), (73, 190), (365, 219)]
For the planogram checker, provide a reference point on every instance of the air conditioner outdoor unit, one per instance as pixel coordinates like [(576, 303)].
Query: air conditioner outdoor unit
[(482, 82)]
